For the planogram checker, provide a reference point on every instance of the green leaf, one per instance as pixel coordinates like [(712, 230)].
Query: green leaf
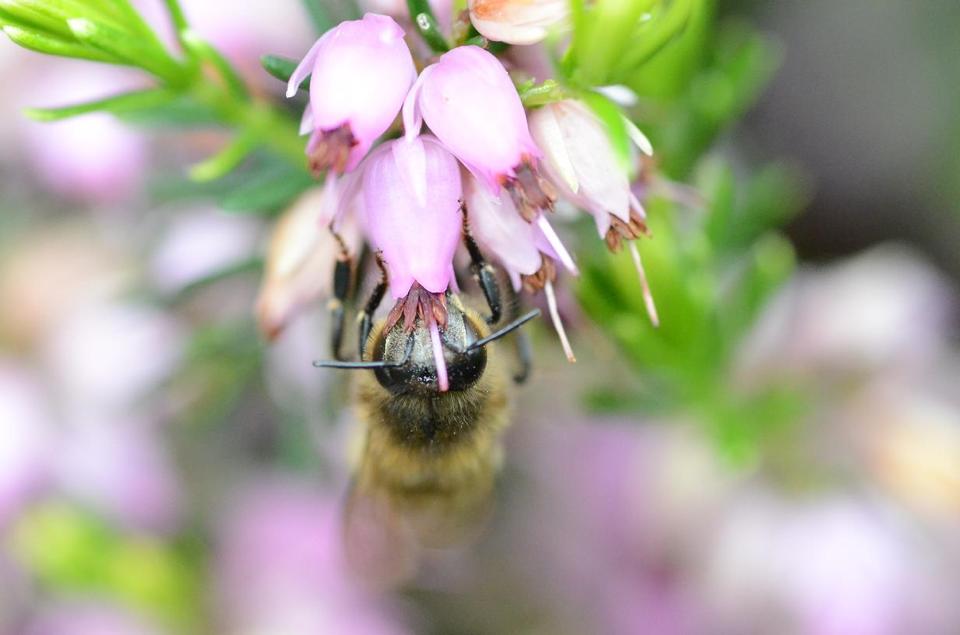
[(13, 13), (118, 104), (57, 13), (280, 67), (652, 35), (129, 48), (180, 112), (426, 23), (267, 190), (224, 161), (602, 33), (176, 15), (52, 45)]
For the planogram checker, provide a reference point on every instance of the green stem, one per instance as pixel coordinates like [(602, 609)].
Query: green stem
[(178, 18)]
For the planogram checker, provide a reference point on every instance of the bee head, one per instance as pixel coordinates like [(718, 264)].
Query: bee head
[(410, 362)]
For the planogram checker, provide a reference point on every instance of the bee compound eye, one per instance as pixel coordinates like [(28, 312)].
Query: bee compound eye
[(464, 369)]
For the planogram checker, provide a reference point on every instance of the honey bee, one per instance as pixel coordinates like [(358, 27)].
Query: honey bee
[(429, 456)]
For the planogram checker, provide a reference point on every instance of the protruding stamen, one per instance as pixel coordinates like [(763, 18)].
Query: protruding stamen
[(438, 359), (557, 322), (647, 296), (557, 245)]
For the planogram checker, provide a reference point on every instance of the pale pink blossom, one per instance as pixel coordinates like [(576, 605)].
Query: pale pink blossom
[(300, 260), (469, 102), (581, 161), (361, 71), (517, 21)]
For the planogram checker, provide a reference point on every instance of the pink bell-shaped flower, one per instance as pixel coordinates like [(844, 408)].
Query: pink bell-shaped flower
[(470, 104), (411, 196), (526, 251), (517, 21), (581, 161), (361, 71), (411, 209)]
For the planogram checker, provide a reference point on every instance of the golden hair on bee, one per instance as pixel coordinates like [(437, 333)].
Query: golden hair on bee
[(432, 399), (433, 455)]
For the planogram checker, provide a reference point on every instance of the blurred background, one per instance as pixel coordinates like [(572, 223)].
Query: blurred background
[(782, 456)]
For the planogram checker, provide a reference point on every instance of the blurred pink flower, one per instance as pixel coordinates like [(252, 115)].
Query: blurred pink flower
[(886, 309), (198, 243), (244, 31), (360, 72), (281, 569), (92, 157), (107, 357), (831, 566), (25, 444), (88, 619), (123, 470)]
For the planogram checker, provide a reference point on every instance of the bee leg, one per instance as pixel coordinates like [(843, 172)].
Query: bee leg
[(484, 274), (341, 290), (366, 316), (521, 345)]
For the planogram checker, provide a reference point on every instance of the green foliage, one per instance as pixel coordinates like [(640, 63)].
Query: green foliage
[(712, 265), (263, 186), (426, 23), (197, 86), (710, 282), (75, 553), (613, 38)]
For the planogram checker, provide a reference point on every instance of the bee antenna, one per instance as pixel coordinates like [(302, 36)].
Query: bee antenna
[(506, 330), (334, 363)]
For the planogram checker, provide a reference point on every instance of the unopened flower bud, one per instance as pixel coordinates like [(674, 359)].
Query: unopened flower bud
[(517, 21), (470, 104), (361, 72), (411, 196)]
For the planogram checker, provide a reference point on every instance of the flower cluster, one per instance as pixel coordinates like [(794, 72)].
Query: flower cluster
[(486, 168)]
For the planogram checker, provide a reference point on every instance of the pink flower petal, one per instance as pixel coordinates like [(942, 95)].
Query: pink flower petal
[(471, 105), (411, 195)]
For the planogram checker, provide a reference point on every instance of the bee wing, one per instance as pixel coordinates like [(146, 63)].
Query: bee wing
[(380, 545)]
